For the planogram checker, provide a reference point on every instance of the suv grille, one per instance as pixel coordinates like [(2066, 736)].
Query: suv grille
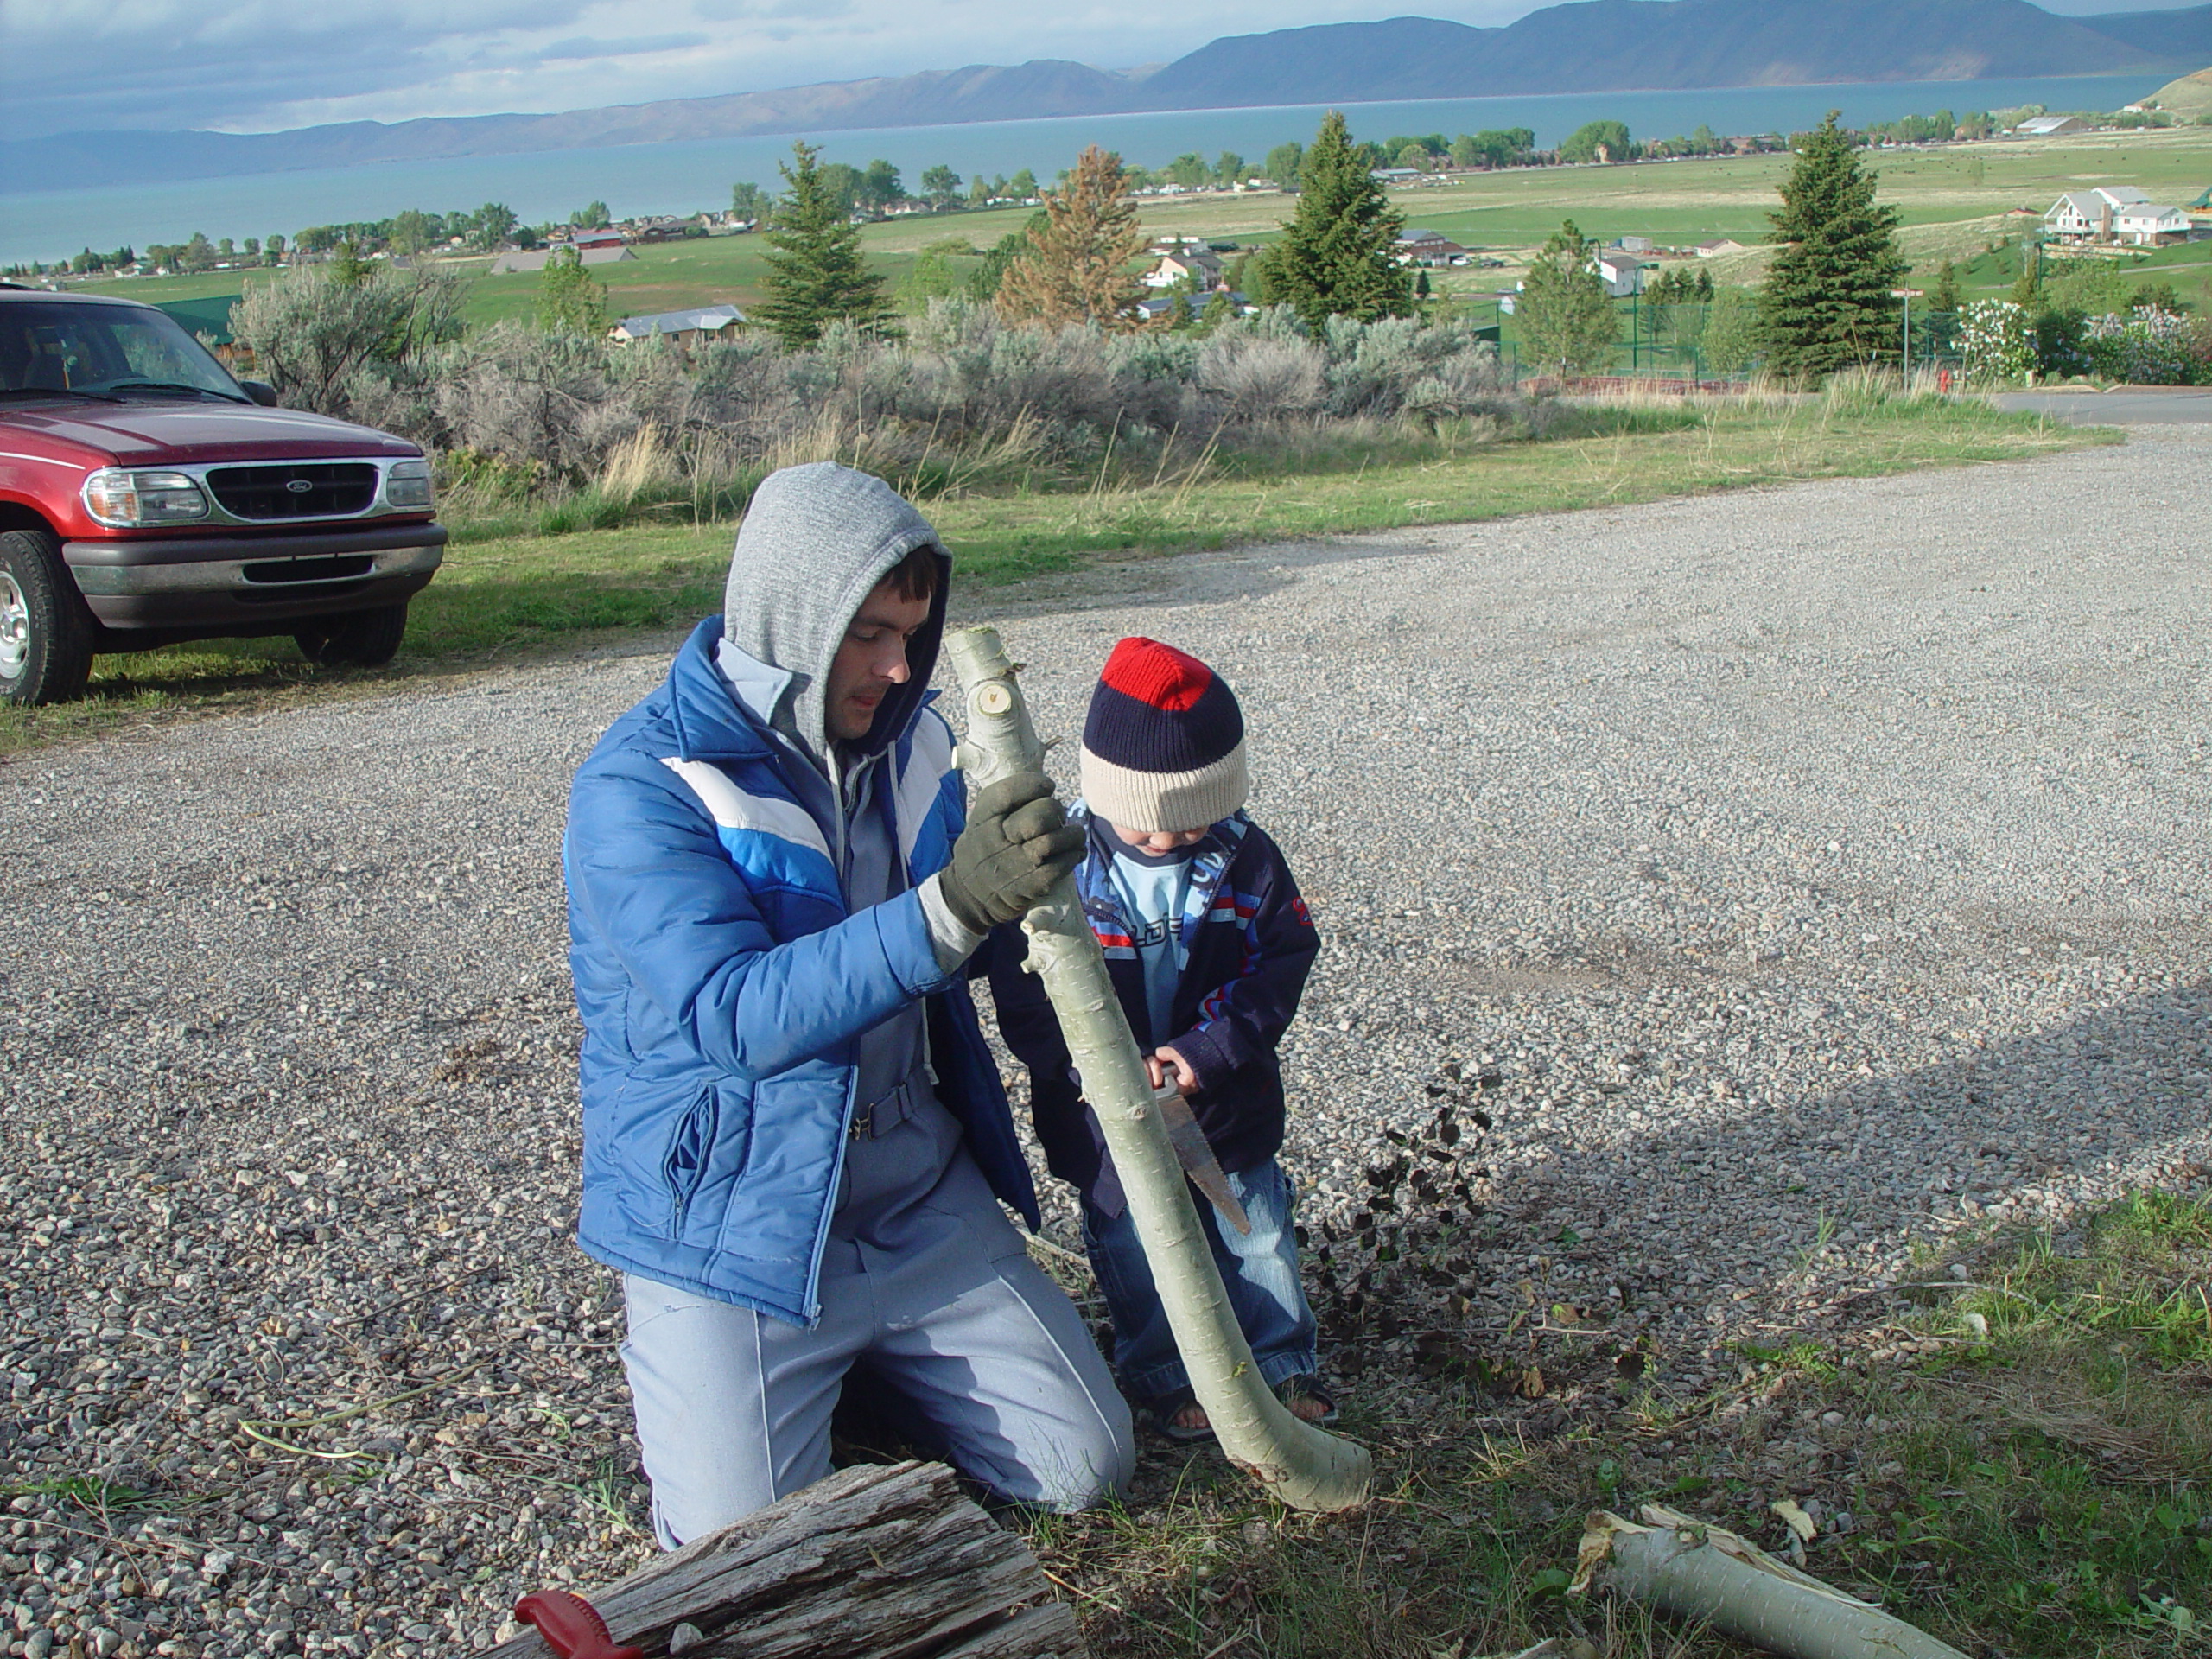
[(294, 489)]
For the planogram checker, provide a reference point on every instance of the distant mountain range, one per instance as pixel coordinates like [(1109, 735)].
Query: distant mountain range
[(1591, 46)]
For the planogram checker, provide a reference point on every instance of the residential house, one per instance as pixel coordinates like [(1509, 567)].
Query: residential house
[(1621, 271), (1718, 247), (1161, 305), (682, 327), (1196, 265), (2148, 224), (508, 263), (1431, 248), (2118, 212)]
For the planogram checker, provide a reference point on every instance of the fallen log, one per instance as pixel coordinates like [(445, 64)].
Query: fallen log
[(1706, 1573), (1298, 1464), (878, 1561)]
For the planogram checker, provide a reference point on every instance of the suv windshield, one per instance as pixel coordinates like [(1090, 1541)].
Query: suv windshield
[(104, 351)]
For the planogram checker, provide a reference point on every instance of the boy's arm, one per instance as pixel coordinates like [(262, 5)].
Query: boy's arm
[(1243, 1020)]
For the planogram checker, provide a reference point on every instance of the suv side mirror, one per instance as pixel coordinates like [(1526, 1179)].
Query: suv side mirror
[(261, 391)]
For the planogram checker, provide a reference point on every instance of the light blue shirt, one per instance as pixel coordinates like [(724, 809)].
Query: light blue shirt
[(1150, 891)]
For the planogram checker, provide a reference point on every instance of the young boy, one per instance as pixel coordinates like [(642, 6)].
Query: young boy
[(1208, 945)]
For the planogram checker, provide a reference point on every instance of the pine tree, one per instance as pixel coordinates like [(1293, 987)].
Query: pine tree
[(1338, 256), (815, 275), (1567, 320), (568, 301), (1944, 297), (1077, 266), (1827, 304)]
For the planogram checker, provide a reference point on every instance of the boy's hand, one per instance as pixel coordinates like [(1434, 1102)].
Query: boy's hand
[(1163, 1064)]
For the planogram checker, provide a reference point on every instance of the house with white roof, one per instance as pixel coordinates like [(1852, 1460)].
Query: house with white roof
[(2051, 126), (2117, 213)]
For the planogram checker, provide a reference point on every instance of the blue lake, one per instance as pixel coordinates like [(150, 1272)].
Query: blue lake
[(683, 178)]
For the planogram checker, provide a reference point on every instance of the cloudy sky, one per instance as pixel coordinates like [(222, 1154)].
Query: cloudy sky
[(261, 64)]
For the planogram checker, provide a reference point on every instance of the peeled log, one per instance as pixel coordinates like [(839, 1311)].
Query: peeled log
[(879, 1561), (1297, 1462), (1710, 1575)]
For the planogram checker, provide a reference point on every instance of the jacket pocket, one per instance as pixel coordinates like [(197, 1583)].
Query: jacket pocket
[(685, 1164)]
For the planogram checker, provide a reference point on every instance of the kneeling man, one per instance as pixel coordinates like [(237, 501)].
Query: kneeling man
[(794, 1134)]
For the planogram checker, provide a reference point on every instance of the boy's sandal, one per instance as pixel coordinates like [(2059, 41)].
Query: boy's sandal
[(1293, 1389), (1167, 1408)]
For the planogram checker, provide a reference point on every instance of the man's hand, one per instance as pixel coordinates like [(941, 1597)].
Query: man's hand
[(1017, 844), (1165, 1063)]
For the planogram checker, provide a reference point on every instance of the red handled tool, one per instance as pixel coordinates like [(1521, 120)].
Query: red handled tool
[(571, 1626)]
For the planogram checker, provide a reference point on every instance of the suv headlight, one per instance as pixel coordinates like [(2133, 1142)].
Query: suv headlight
[(126, 501), (407, 484)]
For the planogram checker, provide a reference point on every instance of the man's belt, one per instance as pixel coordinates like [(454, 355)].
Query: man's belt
[(879, 1117)]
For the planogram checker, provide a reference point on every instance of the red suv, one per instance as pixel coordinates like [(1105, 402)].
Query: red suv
[(146, 497)]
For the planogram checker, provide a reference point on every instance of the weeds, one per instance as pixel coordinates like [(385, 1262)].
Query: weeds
[(2036, 1493)]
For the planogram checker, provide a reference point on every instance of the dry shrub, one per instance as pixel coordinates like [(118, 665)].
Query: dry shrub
[(965, 400)]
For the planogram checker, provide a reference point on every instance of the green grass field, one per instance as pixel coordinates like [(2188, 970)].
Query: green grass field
[(1954, 200)]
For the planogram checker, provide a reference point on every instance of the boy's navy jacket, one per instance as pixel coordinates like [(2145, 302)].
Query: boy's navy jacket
[(721, 983), (1250, 945)]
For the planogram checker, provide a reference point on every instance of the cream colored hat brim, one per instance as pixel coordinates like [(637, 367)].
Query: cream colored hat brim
[(1157, 802)]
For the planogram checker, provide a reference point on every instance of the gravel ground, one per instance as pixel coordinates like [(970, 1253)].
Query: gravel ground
[(1813, 872)]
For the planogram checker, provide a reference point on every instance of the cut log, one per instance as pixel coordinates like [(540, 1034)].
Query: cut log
[(879, 1561), (1706, 1573), (1299, 1464)]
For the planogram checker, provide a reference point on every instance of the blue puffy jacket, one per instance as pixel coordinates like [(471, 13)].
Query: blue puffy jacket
[(722, 985)]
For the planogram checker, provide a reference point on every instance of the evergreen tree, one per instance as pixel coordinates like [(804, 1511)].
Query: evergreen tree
[(568, 301), (1826, 303), (1077, 266), (1338, 256), (1567, 320), (1944, 297), (816, 275)]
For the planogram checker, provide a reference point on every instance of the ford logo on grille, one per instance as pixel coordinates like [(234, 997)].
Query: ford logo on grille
[(298, 486)]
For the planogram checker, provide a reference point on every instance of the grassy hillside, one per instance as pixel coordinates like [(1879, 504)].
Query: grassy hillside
[(2190, 95)]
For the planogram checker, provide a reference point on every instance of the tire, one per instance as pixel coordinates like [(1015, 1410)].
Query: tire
[(45, 634), (364, 640)]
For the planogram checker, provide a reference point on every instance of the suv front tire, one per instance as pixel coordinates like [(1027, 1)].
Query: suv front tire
[(46, 635), (364, 640)]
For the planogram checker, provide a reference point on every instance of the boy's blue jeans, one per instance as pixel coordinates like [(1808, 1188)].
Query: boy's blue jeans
[(1258, 1269)]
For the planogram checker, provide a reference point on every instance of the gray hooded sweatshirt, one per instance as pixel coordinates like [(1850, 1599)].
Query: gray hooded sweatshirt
[(815, 542)]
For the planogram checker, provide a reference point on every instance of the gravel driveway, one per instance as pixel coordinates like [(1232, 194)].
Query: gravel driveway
[(1818, 869)]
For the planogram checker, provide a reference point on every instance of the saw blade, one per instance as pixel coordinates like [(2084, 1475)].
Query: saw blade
[(1196, 1157)]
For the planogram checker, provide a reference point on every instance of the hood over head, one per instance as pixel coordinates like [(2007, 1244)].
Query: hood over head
[(815, 541)]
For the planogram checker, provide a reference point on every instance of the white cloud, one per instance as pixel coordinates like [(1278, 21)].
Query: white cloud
[(259, 65)]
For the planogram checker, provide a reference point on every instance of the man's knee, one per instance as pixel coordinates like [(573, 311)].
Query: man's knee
[(1080, 1470)]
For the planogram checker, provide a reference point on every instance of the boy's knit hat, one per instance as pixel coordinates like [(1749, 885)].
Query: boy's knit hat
[(1163, 748)]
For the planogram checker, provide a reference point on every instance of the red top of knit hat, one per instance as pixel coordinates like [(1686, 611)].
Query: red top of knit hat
[(1156, 674)]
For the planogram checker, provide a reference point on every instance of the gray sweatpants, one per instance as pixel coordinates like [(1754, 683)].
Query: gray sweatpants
[(926, 1279)]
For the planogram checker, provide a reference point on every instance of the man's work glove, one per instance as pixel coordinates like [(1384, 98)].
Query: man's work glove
[(1017, 844)]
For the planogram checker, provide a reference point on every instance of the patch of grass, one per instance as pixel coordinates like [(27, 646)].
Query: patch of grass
[(86, 1492), (2023, 1461)]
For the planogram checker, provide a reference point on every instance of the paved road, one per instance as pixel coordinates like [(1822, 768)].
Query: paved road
[(2130, 406)]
